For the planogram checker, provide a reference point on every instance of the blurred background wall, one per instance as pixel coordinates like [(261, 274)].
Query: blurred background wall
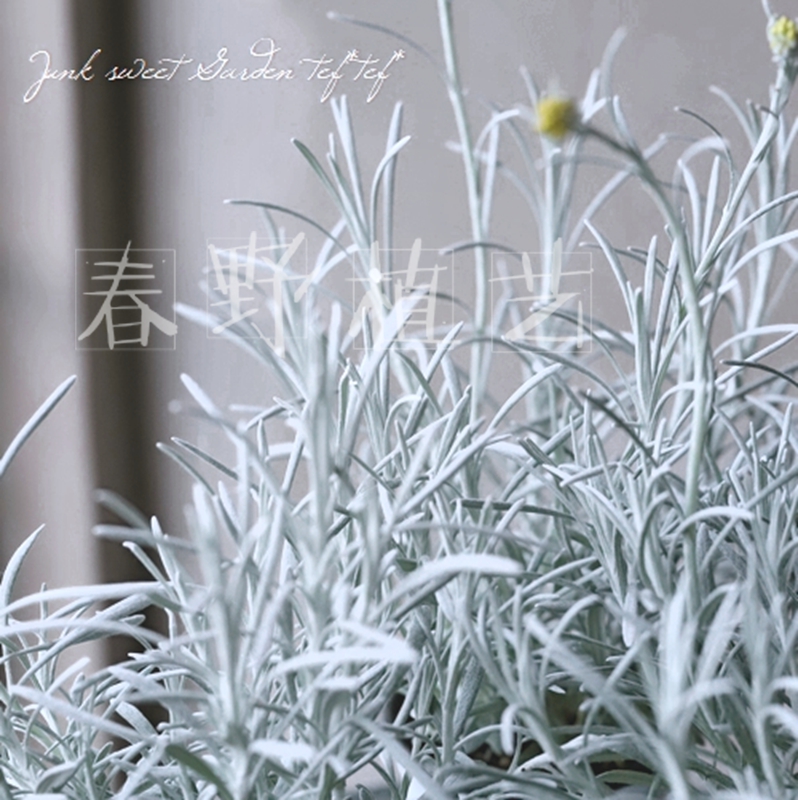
[(97, 164)]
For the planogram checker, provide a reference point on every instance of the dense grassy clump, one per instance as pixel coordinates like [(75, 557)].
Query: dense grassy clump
[(585, 587)]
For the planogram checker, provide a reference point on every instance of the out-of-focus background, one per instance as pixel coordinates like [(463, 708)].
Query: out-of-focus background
[(97, 164)]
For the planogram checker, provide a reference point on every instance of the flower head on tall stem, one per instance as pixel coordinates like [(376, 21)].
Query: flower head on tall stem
[(556, 116), (783, 36)]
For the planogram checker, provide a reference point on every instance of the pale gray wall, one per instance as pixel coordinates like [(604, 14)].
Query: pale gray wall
[(49, 480)]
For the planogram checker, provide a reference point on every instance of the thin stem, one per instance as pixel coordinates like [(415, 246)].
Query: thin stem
[(698, 346), (697, 328), (478, 231)]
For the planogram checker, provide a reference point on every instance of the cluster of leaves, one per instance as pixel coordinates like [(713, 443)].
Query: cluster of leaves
[(560, 593)]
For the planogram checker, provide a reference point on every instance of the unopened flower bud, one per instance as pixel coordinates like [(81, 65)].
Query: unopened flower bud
[(556, 116), (783, 36)]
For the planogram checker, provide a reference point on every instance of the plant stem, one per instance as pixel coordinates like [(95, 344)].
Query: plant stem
[(698, 347), (478, 232)]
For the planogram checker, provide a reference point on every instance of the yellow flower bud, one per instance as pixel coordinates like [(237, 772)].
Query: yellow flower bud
[(782, 36), (556, 116)]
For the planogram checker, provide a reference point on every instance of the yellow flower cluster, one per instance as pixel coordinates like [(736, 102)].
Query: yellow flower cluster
[(783, 36), (556, 116)]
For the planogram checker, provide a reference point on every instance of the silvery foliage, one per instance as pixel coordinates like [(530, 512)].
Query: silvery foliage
[(584, 589)]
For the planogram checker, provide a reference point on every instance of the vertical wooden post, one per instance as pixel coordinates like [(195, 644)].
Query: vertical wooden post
[(110, 122)]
